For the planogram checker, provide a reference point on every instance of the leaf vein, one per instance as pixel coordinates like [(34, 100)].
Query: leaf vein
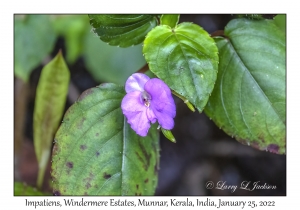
[(91, 156), (221, 93), (253, 79), (116, 174)]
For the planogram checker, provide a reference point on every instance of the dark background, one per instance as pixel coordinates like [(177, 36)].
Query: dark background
[(202, 153)]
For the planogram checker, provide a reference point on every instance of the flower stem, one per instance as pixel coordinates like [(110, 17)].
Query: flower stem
[(143, 69), (189, 105)]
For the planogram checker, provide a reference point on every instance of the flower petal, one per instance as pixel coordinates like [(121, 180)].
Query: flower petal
[(151, 116), (136, 82), (136, 113), (164, 120), (162, 102)]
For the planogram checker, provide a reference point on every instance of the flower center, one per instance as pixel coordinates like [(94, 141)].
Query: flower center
[(146, 98)]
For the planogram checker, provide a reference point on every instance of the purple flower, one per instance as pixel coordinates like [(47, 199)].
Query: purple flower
[(148, 100)]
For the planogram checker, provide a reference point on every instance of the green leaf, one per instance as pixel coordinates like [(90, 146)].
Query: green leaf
[(74, 29), (122, 30), (97, 153), (280, 21), (249, 101), (49, 105), (33, 40), (170, 20), (104, 62), (185, 58), (25, 190)]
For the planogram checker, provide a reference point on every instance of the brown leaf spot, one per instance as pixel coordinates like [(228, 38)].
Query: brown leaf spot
[(83, 147), (274, 148), (97, 134), (137, 186), (97, 154), (242, 141), (85, 193), (56, 193), (88, 185), (69, 164), (55, 149), (256, 145), (140, 158), (146, 180), (106, 176), (146, 160), (79, 125), (88, 180), (147, 156), (261, 137), (85, 94)]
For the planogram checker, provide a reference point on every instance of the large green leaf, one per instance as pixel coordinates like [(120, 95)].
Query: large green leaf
[(122, 30), (249, 98), (185, 58), (49, 105), (97, 153), (104, 62), (23, 189), (33, 41)]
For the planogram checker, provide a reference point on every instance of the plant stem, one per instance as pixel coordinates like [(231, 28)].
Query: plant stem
[(179, 96), (218, 33), (143, 69), (189, 105)]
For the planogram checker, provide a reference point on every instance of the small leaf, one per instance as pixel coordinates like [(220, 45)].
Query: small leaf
[(25, 190), (185, 58), (33, 40), (122, 30), (50, 102), (97, 153), (168, 134), (249, 101), (170, 20)]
